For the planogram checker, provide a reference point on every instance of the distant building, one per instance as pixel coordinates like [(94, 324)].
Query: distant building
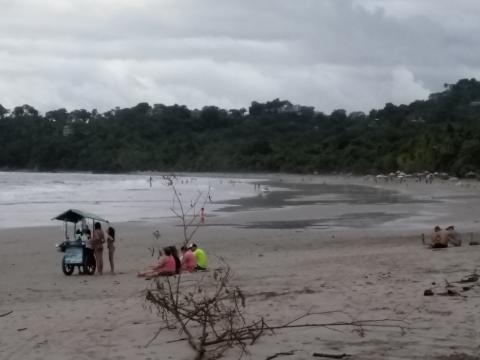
[(195, 114), (418, 120), (289, 108), (415, 118), (437, 96), (67, 130)]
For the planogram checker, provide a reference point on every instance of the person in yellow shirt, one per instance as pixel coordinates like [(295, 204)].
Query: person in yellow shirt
[(202, 260)]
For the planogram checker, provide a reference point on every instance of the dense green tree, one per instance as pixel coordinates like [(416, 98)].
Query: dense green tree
[(438, 134), (3, 111)]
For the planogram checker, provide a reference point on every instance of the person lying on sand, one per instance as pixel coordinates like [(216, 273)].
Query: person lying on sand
[(165, 267), (438, 239)]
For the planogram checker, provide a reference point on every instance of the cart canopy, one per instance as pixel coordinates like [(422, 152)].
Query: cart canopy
[(74, 216)]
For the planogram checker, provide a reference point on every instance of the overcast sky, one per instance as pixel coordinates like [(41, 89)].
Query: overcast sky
[(351, 54)]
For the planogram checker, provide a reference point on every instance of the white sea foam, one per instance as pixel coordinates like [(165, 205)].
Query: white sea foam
[(32, 199)]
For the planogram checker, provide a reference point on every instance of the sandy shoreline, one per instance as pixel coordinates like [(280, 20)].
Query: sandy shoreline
[(369, 272)]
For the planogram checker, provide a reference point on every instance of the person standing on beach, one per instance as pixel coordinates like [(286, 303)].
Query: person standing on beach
[(98, 239), (111, 248), (87, 239), (202, 215)]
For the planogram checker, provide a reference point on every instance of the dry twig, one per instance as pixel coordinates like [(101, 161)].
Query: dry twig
[(331, 356), (7, 313), (210, 313), (288, 353)]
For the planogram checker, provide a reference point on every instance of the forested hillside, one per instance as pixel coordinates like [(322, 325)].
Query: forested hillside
[(438, 134)]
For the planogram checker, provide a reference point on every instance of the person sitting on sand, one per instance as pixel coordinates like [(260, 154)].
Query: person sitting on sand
[(200, 256), (443, 238), (178, 263), (189, 262), (438, 238), (453, 237), (165, 267)]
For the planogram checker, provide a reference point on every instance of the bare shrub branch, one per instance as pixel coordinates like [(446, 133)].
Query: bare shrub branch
[(210, 313)]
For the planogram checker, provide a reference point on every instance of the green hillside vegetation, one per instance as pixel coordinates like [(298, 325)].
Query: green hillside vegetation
[(438, 134)]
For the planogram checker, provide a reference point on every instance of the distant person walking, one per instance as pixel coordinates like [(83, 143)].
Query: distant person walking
[(150, 181), (111, 248), (202, 216), (98, 239)]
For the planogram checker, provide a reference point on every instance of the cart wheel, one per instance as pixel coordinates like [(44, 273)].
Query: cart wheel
[(67, 268), (89, 266)]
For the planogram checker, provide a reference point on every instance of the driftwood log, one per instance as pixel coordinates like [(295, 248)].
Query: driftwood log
[(7, 313), (331, 356), (274, 356)]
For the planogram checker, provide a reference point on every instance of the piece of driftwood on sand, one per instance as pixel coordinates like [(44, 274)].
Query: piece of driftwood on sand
[(6, 314), (331, 356)]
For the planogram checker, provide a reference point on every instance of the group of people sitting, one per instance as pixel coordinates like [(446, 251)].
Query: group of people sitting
[(442, 238), (192, 259)]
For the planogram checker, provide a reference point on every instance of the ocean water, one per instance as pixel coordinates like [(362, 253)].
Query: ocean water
[(33, 199)]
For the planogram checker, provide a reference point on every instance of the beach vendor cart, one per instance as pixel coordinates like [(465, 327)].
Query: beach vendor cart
[(76, 236)]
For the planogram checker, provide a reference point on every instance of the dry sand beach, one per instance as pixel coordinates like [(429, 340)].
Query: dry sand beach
[(366, 259)]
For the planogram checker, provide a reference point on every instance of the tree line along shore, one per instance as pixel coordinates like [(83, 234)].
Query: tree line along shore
[(440, 134)]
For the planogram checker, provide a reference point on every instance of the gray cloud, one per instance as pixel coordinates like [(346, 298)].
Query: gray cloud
[(353, 54)]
